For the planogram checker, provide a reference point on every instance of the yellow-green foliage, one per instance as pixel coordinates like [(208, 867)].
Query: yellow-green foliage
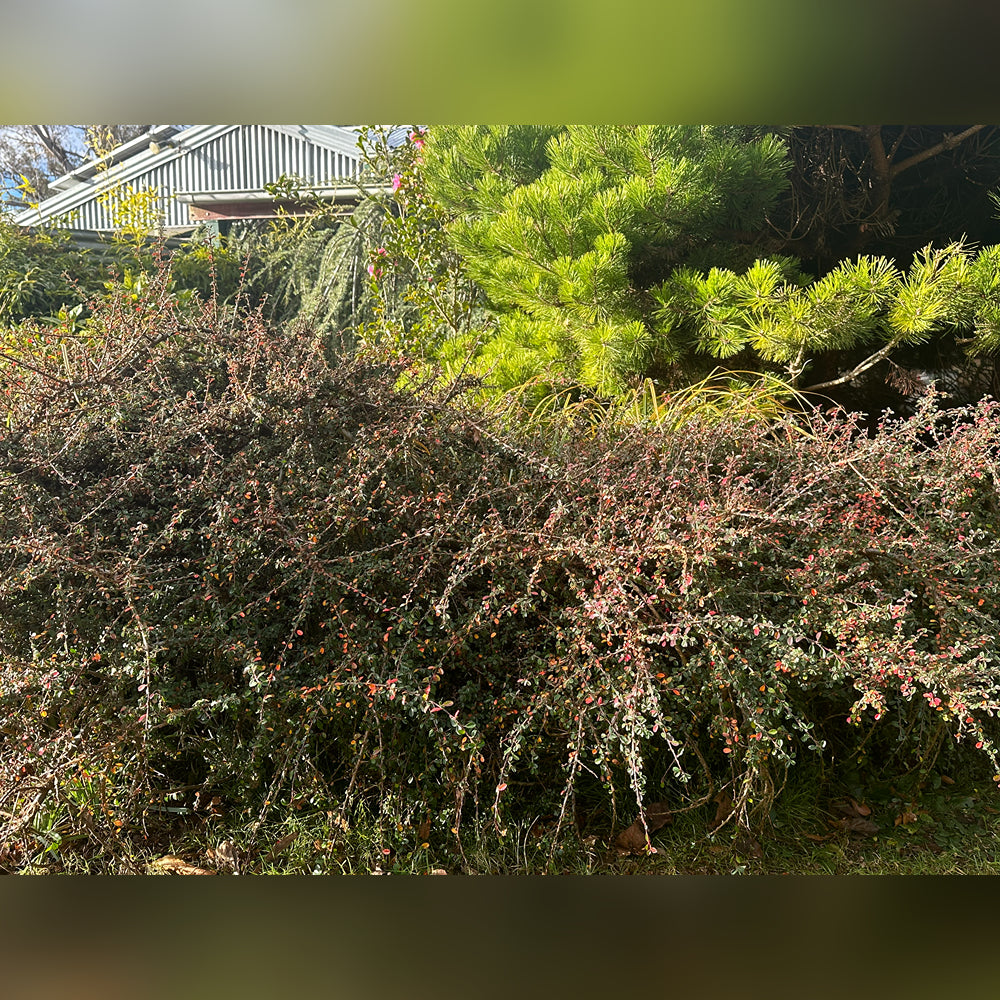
[(40, 272), (589, 245), (135, 212), (868, 303)]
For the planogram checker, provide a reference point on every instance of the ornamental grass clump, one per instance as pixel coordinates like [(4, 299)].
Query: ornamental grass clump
[(245, 578)]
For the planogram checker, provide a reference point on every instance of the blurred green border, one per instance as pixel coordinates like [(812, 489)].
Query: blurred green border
[(523, 60)]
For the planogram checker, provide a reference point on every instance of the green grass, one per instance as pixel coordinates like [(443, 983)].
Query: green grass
[(925, 828)]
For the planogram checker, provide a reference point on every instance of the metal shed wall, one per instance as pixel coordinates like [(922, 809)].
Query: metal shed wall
[(216, 159)]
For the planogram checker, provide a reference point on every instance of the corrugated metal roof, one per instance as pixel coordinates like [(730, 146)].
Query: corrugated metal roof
[(157, 133), (205, 158)]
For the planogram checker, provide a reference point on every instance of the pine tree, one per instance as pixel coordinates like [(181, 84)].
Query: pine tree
[(566, 232), (614, 257)]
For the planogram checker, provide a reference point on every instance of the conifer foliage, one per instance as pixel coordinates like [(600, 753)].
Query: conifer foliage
[(566, 238), (868, 303), (614, 258)]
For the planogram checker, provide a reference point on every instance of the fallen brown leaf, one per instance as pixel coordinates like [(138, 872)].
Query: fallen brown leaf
[(337, 821), (855, 824), (227, 854), (279, 847), (850, 808), (632, 839), (177, 866), (658, 815), (745, 844), (724, 811), (424, 831)]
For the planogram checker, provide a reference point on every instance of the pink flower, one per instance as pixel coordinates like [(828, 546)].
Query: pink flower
[(376, 272), (417, 138), (396, 181)]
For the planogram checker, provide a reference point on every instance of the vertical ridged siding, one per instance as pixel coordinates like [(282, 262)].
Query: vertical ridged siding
[(245, 158)]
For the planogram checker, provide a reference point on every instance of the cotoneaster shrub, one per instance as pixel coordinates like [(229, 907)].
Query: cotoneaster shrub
[(241, 573)]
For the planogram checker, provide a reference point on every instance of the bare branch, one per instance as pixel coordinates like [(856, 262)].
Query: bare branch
[(948, 142), (64, 159), (869, 362), (898, 142)]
